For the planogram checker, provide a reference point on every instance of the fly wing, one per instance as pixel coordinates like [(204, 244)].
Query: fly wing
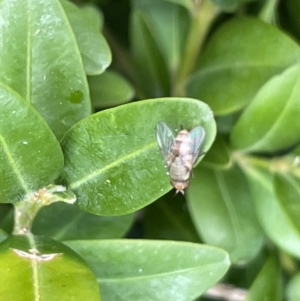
[(165, 140), (197, 137)]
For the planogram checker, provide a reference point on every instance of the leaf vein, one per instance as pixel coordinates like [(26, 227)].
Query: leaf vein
[(98, 172), (13, 164)]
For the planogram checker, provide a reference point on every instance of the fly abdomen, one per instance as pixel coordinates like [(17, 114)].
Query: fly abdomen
[(178, 171)]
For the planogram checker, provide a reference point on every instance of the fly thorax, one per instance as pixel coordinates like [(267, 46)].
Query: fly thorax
[(181, 143)]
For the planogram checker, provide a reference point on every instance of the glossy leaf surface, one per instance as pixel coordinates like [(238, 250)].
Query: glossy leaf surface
[(221, 208), (41, 61), (38, 268), (272, 217), (95, 52), (93, 15), (109, 89), (112, 161), (30, 155), (238, 59), (268, 284), (177, 271), (65, 222), (270, 123)]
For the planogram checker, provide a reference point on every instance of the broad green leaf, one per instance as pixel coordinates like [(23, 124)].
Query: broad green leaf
[(268, 283), (152, 78), (41, 61), (30, 155), (112, 161), (61, 221), (152, 270), (93, 15), (168, 25), (38, 268), (168, 218), (219, 155), (272, 217), (293, 288), (273, 113), (158, 32), (95, 52), (238, 59), (221, 208), (287, 191), (109, 89)]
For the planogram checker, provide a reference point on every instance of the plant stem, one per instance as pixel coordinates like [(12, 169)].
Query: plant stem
[(285, 164), (25, 212), (201, 19), (27, 209)]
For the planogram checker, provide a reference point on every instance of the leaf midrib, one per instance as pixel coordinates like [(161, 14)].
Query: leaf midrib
[(13, 164), (162, 274), (96, 173)]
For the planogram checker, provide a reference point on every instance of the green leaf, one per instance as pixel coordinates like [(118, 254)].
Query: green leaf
[(177, 271), (3, 235), (168, 24), (40, 60), (95, 52), (272, 217), (109, 89), (238, 59), (219, 155), (273, 113), (229, 5), (287, 190), (172, 220), (225, 123), (267, 284), (293, 288), (152, 76), (38, 268), (65, 222), (7, 217), (93, 15), (158, 33), (188, 4), (112, 161), (30, 155), (296, 151), (220, 206)]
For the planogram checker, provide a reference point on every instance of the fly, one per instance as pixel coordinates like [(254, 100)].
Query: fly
[(180, 153)]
